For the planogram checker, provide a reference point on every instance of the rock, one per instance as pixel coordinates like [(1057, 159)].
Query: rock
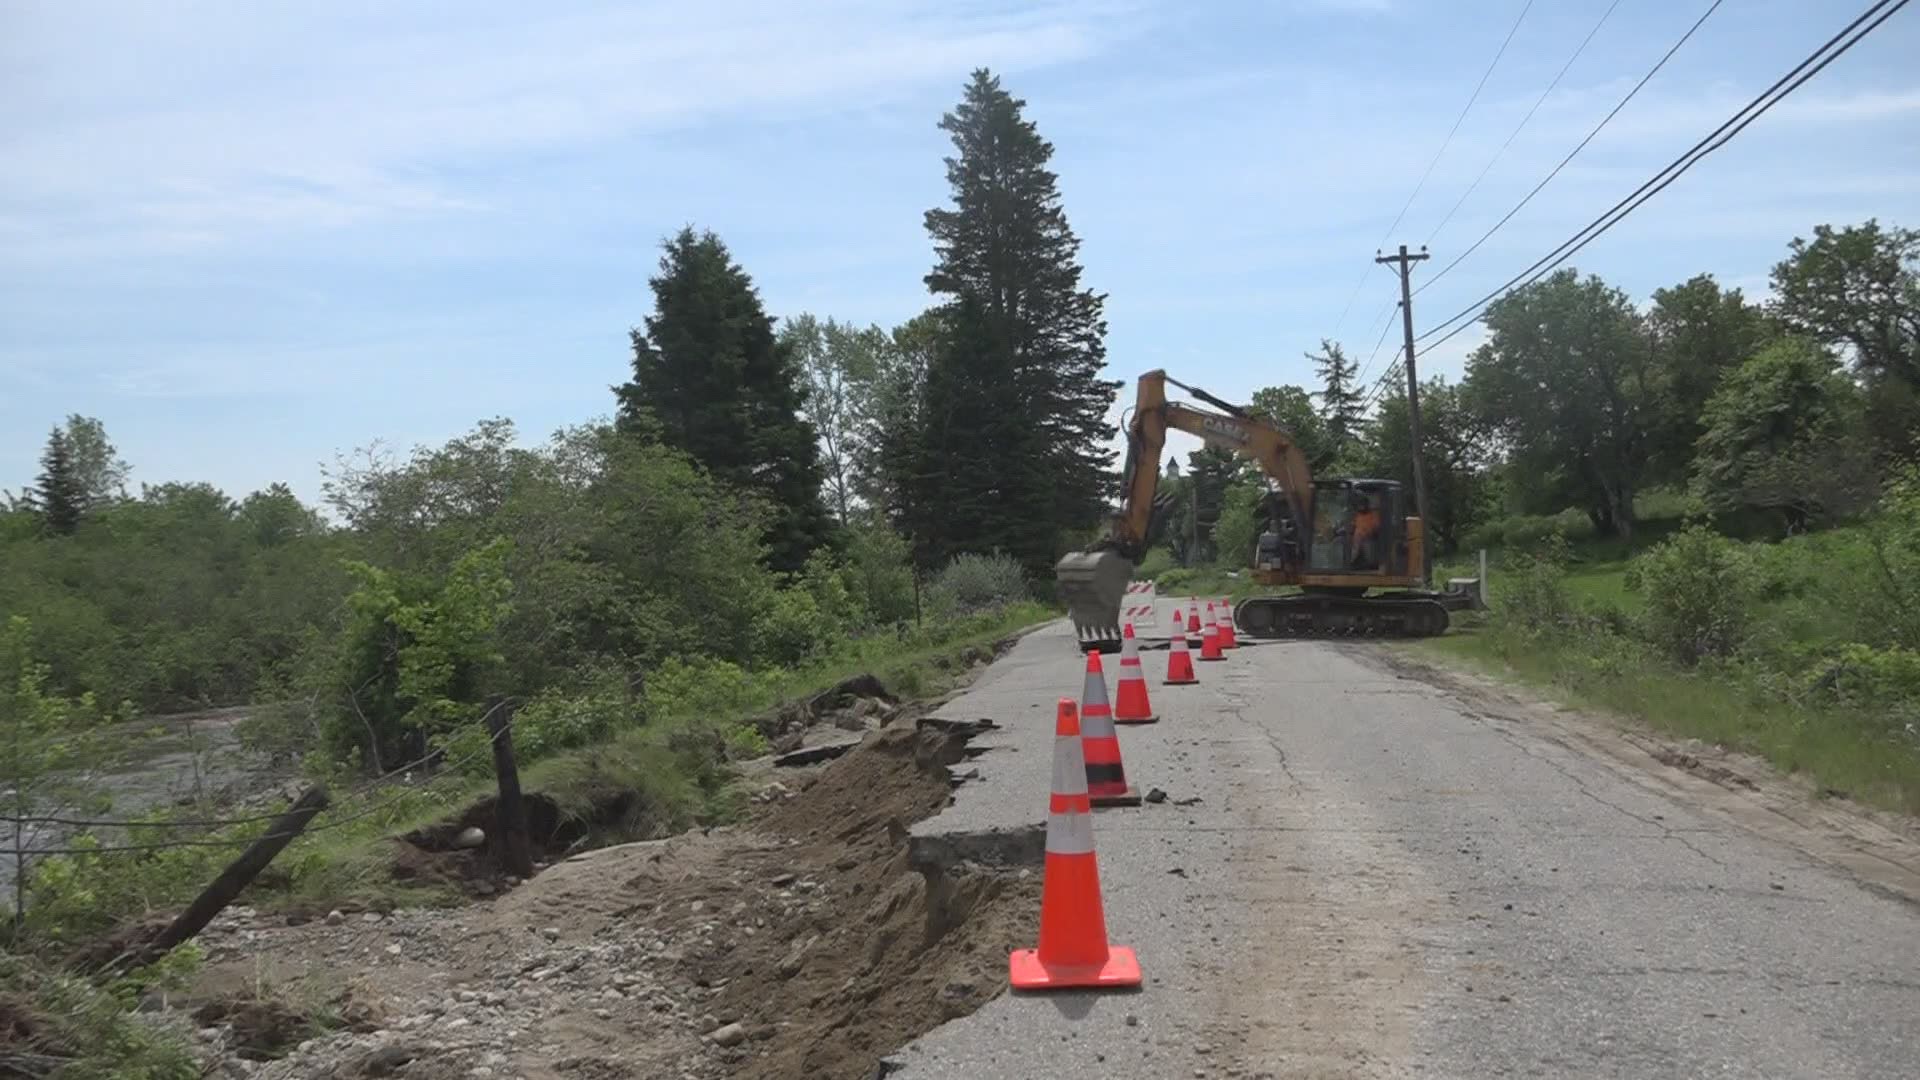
[(551, 933), (334, 918), (393, 949), (370, 917), (728, 1034), (796, 957), (386, 1061), (1155, 795), (781, 881)]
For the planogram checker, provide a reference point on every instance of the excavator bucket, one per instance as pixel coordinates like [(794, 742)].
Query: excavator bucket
[(1093, 583)]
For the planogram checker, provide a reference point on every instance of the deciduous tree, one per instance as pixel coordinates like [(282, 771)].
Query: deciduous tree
[(1566, 380)]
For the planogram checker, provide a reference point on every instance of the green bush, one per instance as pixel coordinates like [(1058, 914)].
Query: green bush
[(973, 583), (792, 629), (879, 572), (1701, 592), (1533, 592), (1238, 528), (1523, 532), (1156, 562)]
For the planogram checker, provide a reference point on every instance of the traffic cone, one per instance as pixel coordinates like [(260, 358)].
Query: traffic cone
[(1210, 640), (1193, 618), (1100, 743), (1130, 705), (1073, 949), (1179, 662), (1227, 639)]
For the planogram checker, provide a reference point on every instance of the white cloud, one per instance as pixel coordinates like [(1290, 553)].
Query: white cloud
[(228, 123)]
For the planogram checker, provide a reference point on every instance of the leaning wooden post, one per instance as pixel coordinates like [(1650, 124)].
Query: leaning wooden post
[(236, 877), (511, 845)]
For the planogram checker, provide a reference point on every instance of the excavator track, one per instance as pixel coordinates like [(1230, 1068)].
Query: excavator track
[(1311, 615)]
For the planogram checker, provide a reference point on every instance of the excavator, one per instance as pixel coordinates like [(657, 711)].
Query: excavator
[(1358, 560)]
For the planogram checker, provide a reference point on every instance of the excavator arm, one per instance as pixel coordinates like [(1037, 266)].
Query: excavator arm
[(1093, 582)]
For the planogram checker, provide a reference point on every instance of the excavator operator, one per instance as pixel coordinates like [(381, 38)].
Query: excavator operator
[(1366, 532)]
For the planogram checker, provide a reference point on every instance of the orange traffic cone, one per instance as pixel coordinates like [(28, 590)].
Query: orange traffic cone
[(1100, 743), (1193, 618), (1210, 640), (1073, 948), (1227, 639), (1179, 662), (1130, 704)]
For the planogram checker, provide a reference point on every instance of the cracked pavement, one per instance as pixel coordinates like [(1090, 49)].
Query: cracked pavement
[(1385, 878)]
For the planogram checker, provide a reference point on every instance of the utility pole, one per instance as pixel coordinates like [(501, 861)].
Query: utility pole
[(1405, 262)]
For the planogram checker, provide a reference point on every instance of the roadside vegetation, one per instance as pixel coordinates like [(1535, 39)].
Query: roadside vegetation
[(771, 508), (1701, 512)]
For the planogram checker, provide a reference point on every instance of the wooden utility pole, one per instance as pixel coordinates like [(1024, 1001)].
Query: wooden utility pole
[(1404, 262)]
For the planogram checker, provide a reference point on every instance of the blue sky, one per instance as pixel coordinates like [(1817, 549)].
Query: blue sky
[(248, 235)]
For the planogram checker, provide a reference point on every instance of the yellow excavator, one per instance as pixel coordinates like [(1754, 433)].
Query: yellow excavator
[(1337, 540)]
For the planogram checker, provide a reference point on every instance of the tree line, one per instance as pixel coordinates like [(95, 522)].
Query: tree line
[(1790, 413), (764, 491)]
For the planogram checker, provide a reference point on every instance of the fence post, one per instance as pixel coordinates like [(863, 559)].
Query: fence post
[(1483, 578), (511, 845), (236, 877)]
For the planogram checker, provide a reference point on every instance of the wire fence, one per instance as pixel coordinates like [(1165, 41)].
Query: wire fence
[(366, 787)]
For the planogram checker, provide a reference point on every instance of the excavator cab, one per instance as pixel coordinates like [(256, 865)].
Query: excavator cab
[(1359, 529)]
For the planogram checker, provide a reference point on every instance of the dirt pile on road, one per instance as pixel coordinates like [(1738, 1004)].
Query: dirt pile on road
[(797, 943)]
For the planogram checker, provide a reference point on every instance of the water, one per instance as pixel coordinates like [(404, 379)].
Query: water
[(183, 759)]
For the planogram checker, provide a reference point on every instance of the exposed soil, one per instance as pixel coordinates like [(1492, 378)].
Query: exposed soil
[(798, 943)]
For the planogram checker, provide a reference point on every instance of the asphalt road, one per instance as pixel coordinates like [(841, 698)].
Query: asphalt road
[(1388, 877)]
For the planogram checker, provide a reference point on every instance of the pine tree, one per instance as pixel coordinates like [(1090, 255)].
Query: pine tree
[(57, 493), (1339, 399), (711, 379), (1027, 344)]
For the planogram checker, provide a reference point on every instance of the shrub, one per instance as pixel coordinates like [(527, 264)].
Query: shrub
[(1701, 591), (1529, 531), (792, 629), (972, 583), (1533, 588), (879, 572), (1157, 561)]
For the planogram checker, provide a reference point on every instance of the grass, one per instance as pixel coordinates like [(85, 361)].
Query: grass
[(670, 773), (1844, 750), (1761, 704)]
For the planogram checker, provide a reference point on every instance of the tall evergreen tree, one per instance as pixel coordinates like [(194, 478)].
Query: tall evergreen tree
[(711, 378), (57, 494), (1339, 398), (1025, 334)]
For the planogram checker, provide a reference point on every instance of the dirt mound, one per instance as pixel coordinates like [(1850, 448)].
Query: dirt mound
[(796, 943), (804, 931)]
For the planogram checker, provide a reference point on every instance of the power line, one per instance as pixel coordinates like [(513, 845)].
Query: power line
[(1541, 100), (1458, 120), (1879, 12), (1571, 154), (1386, 324), (1347, 308)]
